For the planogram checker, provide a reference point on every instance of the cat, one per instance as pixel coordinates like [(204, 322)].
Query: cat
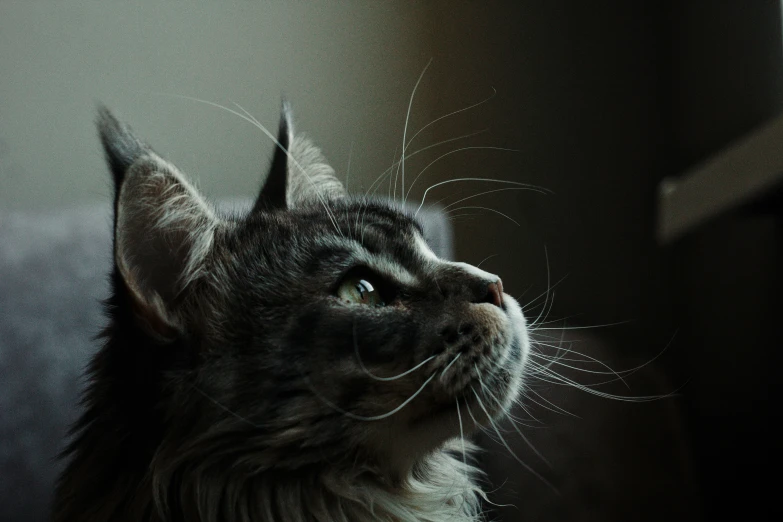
[(311, 360)]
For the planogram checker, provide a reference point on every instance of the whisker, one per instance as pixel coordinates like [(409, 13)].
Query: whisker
[(374, 417), (485, 208), (405, 130), (396, 162), (449, 365), (595, 372), (494, 92), (561, 319), (513, 424), (348, 168), (605, 325), (548, 287), (554, 407), (565, 381), (486, 259), (462, 440), (482, 194), (533, 188), (618, 373), (520, 461), (385, 379), (539, 296)]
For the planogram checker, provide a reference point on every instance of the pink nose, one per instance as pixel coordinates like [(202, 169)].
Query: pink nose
[(495, 293)]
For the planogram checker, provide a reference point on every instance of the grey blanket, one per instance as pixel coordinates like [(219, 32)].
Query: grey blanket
[(53, 275)]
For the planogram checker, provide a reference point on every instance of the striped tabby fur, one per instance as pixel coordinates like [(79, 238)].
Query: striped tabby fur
[(235, 384)]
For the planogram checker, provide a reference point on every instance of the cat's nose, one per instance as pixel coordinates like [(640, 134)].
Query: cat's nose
[(494, 293)]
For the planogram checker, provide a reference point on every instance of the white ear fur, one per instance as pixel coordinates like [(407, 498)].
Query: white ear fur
[(164, 231), (309, 175)]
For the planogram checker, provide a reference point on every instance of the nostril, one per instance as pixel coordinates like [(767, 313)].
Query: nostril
[(495, 293)]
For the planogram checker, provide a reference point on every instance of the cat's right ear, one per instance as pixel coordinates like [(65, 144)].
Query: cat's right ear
[(299, 173), (163, 228), (273, 194)]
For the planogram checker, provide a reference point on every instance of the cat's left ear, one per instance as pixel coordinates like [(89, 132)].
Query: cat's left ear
[(163, 228), (299, 173)]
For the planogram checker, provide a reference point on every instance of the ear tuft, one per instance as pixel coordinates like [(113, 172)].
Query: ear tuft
[(163, 228), (299, 173), (163, 234), (310, 177), (120, 146), (273, 193)]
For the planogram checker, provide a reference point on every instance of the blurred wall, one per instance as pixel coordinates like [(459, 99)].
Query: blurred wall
[(347, 68)]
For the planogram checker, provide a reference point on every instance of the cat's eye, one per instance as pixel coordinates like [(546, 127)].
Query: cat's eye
[(358, 290)]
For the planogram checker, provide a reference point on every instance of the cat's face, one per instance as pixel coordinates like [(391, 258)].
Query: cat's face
[(318, 327)]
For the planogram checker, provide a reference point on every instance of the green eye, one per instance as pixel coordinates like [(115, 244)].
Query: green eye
[(358, 290)]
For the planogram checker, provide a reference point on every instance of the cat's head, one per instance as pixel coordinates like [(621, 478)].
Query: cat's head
[(318, 327)]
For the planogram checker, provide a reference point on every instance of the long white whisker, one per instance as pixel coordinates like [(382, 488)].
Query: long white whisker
[(585, 327), (548, 288), (596, 372), (385, 379), (561, 380), (554, 407), (560, 319), (405, 131), (396, 162), (486, 259), (348, 168), (619, 373), (449, 365), (462, 437), (482, 194), (513, 424), (436, 120), (485, 208), (374, 417), (527, 467), (542, 294), (533, 188)]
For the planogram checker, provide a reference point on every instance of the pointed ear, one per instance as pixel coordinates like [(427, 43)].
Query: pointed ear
[(299, 173), (273, 193), (163, 229), (120, 146)]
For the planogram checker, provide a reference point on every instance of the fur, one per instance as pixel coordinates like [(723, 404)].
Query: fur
[(235, 385)]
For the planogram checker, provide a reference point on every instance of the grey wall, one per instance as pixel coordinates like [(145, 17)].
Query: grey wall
[(347, 67)]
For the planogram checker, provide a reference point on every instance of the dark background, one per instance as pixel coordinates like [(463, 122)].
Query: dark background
[(607, 99)]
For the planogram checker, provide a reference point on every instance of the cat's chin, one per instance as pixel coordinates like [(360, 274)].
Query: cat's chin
[(490, 385), (485, 393)]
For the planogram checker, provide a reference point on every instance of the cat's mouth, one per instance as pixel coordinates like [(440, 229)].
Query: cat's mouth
[(485, 376)]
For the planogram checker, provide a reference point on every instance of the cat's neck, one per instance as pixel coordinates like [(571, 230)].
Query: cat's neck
[(440, 489)]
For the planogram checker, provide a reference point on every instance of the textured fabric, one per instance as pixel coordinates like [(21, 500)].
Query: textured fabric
[(53, 274)]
